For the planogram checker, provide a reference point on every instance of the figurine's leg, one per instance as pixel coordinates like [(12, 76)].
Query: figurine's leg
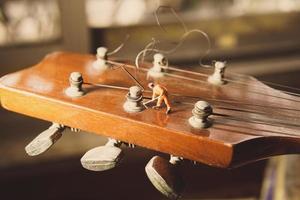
[(166, 100), (159, 102)]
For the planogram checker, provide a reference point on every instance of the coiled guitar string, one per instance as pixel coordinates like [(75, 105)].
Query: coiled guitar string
[(181, 41), (205, 82)]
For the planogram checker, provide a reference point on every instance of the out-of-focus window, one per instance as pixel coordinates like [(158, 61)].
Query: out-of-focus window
[(106, 13), (236, 28), (27, 22)]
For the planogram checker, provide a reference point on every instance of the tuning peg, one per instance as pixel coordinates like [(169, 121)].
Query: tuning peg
[(130, 145), (103, 157), (165, 176), (44, 140), (75, 130), (134, 100), (75, 89), (217, 78), (202, 110), (101, 62), (160, 63)]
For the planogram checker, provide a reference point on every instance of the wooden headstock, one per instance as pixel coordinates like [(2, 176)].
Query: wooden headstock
[(250, 120)]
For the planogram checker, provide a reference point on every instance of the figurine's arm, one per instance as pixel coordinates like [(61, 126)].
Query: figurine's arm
[(153, 95)]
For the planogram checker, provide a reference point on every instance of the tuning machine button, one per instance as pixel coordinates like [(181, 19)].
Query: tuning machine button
[(103, 157), (44, 140), (165, 176)]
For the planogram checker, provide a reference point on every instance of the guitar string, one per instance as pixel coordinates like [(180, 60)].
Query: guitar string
[(156, 15), (183, 38), (252, 134), (211, 99), (226, 79), (124, 88), (147, 48), (185, 33), (128, 73), (119, 47), (191, 79), (239, 82), (237, 102), (196, 73), (243, 119), (266, 82), (255, 121), (267, 122), (217, 121), (293, 118), (200, 81), (184, 27)]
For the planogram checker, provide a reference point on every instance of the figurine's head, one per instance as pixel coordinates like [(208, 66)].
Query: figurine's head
[(151, 85)]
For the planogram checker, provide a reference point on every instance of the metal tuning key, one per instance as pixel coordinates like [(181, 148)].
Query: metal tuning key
[(165, 176), (103, 157), (45, 140)]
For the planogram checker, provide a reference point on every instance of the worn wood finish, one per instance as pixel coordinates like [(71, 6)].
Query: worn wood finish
[(251, 121)]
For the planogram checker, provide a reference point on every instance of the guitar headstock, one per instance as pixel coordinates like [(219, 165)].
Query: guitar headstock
[(246, 112), (217, 118)]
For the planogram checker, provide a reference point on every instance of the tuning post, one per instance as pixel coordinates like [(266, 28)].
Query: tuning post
[(160, 63), (75, 130), (45, 140), (101, 62), (103, 157), (130, 145), (175, 160), (201, 112), (165, 176), (75, 89), (134, 100), (217, 78)]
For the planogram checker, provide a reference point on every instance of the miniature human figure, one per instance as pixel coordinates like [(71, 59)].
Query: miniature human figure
[(161, 94)]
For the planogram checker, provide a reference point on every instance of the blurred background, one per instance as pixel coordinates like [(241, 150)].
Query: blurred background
[(255, 37)]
